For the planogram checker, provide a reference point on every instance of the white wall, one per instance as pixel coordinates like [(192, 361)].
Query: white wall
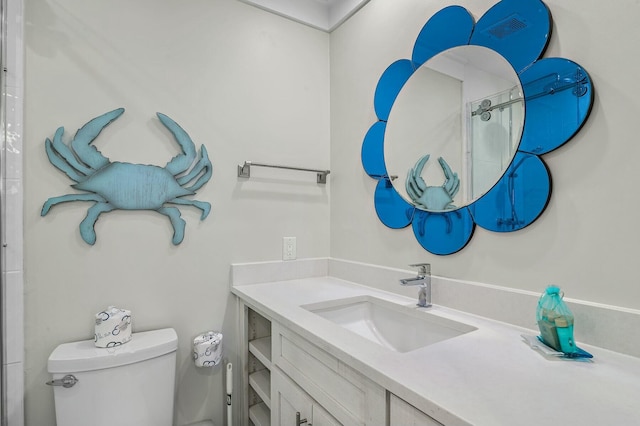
[(248, 85), (253, 86), (586, 241)]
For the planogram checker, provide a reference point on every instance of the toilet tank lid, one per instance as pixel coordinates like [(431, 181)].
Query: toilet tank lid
[(85, 356)]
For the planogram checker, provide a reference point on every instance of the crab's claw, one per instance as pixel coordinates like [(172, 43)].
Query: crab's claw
[(452, 182), (415, 185), (181, 162), (81, 143)]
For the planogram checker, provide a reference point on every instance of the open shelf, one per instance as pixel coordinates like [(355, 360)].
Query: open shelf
[(260, 415), (260, 381), (258, 358), (261, 349)]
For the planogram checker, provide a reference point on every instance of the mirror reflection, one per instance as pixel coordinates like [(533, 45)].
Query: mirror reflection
[(454, 128)]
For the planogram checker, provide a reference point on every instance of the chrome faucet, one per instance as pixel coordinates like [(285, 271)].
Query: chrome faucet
[(423, 279)]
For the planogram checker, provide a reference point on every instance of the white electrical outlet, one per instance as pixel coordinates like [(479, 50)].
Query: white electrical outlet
[(288, 248)]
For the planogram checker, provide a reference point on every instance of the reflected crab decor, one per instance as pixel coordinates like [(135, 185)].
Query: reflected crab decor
[(558, 95), (116, 185), (432, 197)]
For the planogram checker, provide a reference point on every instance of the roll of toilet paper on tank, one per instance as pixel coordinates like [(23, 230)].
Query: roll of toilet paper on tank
[(113, 327), (207, 349)]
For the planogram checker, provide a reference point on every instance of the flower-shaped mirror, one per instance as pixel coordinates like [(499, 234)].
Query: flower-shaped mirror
[(463, 123)]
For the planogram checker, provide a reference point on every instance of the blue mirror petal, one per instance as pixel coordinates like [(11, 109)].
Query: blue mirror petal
[(558, 99), (372, 153), (517, 29), (389, 85), (518, 198), (450, 27), (391, 209), (443, 233)]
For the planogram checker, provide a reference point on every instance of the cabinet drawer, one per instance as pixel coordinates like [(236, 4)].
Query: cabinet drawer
[(349, 396)]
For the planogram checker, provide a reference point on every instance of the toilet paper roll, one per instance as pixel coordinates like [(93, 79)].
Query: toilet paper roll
[(207, 349), (113, 327)]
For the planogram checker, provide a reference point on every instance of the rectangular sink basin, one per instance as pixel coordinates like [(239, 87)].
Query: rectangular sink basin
[(394, 326)]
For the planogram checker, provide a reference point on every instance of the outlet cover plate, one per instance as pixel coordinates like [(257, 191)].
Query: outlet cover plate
[(288, 248)]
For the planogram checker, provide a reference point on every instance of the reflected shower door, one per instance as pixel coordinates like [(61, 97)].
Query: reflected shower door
[(492, 138)]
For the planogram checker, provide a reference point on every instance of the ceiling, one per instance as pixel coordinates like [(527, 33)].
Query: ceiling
[(325, 15)]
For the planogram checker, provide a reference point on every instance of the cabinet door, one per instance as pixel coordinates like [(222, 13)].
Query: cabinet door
[(288, 399), (347, 395), (402, 413)]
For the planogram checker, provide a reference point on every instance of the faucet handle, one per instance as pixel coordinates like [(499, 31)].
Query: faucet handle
[(425, 268)]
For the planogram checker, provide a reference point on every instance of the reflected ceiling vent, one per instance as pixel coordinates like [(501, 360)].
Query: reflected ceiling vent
[(325, 15), (507, 27)]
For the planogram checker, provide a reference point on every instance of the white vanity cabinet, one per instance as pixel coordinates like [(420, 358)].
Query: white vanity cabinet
[(401, 413), (286, 374), (292, 406), (333, 387)]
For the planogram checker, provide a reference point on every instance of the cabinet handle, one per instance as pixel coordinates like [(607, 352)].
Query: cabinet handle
[(300, 422)]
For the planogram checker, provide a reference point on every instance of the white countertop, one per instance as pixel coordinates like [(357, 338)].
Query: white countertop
[(486, 377)]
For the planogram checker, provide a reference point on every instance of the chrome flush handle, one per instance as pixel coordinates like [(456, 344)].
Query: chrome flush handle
[(66, 382)]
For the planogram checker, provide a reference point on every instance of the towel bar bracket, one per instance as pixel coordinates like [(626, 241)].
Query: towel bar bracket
[(244, 171)]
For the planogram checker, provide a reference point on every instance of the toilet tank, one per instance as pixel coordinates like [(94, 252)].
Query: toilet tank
[(131, 384)]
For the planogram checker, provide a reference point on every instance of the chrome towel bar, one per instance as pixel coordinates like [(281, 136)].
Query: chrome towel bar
[(244, 171)]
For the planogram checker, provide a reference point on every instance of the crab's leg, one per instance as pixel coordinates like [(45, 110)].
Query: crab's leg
[(69, 197), (64, 151), (87, 231), (203, 164), (415, 186), (453, 189), (176, 221), (59, 161), (204, 206), (81, 143), (408, 184), (181, 162), (63, 158)]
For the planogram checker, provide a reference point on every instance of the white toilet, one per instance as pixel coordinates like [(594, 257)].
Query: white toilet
[(131, 384)]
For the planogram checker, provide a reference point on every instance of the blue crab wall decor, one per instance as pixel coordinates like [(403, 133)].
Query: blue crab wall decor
[(127, 186)]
